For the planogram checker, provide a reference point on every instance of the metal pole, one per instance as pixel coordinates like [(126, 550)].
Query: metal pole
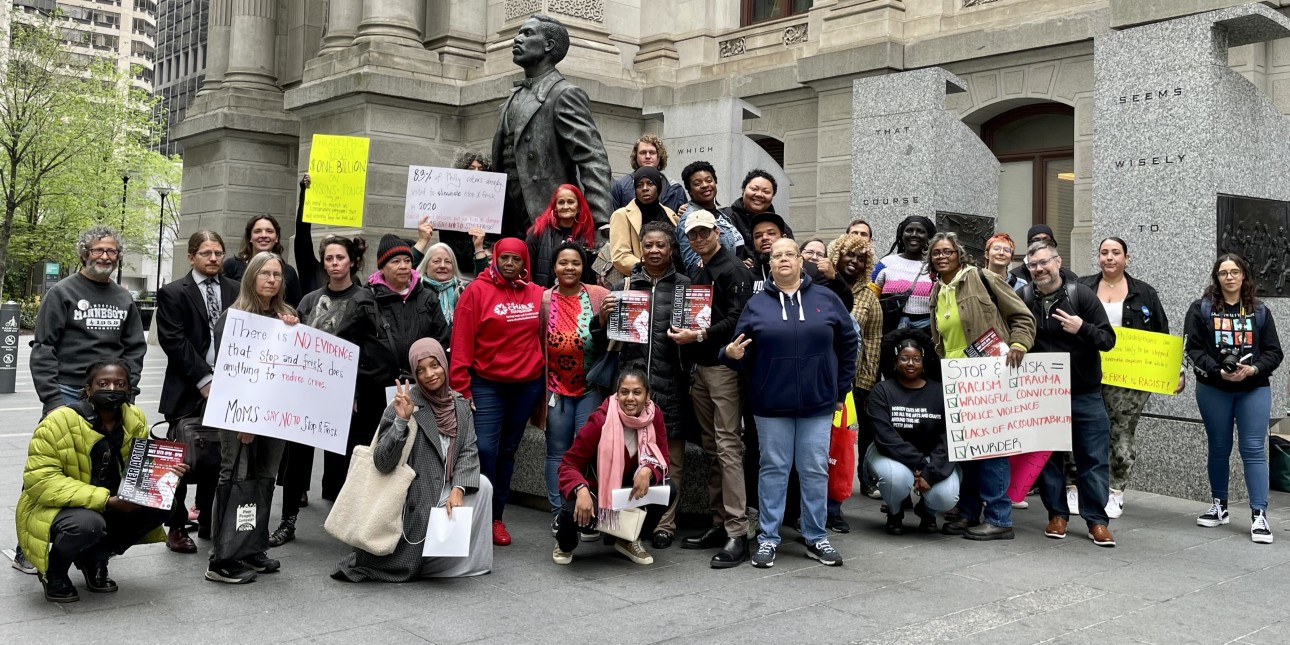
[(125, 185), (161, 232)]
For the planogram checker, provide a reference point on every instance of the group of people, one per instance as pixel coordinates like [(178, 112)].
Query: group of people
[(796, 330)]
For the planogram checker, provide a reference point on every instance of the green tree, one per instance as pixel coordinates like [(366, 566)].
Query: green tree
[(70, 127)]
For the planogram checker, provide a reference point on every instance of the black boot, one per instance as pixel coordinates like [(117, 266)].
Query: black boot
[(927, 519), (713, 538), (896, 523), (57, 584), (285, 532), (732, 555)]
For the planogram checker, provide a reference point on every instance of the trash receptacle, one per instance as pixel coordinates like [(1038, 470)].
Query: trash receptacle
[(146, 310), (10, 317)]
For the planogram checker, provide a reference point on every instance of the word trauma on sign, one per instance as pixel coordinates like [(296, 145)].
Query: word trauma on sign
[(455, 200), (992, 410), (286, 381), (338, 180), (1143, 360)]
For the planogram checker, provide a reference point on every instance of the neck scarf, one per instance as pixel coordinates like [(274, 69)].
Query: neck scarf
[(448, 292), (611, 454), (440, 400)]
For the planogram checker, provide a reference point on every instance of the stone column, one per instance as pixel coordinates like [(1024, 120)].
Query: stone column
[(343, 17), (392, 21), (217, 40), (252, 45)]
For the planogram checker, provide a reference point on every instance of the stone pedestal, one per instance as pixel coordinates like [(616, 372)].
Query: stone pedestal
[(1175, 128), (712, 131), (912, 156)]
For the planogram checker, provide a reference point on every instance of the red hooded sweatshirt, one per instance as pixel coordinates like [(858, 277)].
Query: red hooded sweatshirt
[(495, 327)]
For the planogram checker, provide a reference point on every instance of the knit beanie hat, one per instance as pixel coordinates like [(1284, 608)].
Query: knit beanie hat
[(1037, 229), (391, 246)]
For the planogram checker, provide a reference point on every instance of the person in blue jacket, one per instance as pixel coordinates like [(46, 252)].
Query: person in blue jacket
[(791, 336)]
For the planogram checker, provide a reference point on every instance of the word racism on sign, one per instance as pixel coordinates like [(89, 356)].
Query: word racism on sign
[(992, 410), (1143, 360), (455, 200), (338, 176), (290, 382)]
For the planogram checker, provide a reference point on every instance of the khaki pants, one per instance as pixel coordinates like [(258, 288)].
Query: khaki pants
[(675, 470), (717, 404)]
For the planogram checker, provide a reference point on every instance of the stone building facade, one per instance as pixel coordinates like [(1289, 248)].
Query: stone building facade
[(421, 78)]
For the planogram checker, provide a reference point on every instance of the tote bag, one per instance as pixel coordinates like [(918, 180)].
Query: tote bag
[(368, 512), (242, 526)]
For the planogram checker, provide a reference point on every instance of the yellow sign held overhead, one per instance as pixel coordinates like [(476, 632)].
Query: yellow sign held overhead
[(338, 175), (1143, 360)]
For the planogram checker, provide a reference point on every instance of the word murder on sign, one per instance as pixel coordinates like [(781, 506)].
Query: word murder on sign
[(289, 382), (992, 410)]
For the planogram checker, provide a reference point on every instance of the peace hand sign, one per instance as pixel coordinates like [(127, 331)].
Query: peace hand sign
[(735, 350), (402, 402)]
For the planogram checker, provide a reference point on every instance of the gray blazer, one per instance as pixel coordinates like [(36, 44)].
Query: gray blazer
[(556, 142)]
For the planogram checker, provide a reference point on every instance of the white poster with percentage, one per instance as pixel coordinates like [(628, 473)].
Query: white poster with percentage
[(291, 382), (455, 200), (992, 410)]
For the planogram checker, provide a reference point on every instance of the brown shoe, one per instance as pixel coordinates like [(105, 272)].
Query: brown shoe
[(1101, 536), (1056, 528), (179, 542)]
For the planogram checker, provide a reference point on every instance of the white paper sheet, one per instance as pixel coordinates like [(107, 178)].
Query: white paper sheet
[(654, 495), (448, 538)]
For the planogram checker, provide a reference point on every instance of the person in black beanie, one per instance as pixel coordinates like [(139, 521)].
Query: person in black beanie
[(1041, 233), (406, 311)]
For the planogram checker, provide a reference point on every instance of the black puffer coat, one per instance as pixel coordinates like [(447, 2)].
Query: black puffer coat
[(661, 358), (401, 322)]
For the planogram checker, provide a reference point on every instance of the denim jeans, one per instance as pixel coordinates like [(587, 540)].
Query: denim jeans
[(501, 415), (563, 419), (985, 484), (787, 442), (916, 321), (1091, 448), (896, 481), (1249, 411)]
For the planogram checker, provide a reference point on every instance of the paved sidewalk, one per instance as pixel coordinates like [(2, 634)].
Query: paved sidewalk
[(1169, 581)]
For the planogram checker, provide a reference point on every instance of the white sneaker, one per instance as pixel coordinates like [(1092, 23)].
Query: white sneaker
[(1216, 515), (561, 557), (1259, 530), (1023, 504), (1115, 504), (1072, 500)]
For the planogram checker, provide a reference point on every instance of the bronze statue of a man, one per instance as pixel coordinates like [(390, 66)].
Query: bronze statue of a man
[(545, 136)]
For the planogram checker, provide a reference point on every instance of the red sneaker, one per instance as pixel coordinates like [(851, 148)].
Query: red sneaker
[(501, 537)]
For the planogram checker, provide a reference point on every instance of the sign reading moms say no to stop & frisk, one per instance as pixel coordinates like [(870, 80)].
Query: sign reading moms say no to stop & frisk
[(286, 381)]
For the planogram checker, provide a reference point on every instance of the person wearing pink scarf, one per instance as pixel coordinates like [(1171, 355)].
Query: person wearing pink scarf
[(619, 447)]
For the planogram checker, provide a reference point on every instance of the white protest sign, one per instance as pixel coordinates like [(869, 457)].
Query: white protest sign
[(992, 410), (286, 381), (455, 200)]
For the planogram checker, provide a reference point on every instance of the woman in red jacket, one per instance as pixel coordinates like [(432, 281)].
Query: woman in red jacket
[(619, 447), (497, 364)]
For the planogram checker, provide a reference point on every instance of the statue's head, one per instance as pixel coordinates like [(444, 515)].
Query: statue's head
[(540, 39)]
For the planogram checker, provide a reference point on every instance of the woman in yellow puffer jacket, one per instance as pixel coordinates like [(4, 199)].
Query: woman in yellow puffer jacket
[(69, 512)]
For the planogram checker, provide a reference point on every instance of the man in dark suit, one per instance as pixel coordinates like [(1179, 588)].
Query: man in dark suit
[(545, 136), (187, 309)]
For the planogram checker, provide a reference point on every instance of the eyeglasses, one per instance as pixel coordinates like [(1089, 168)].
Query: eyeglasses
[(999, 248), (1231, 273), (210, 254), (111, 253), (698, 233), (944, 253), (812, 253), (1039, 264), (909, 360), (792, 255), (276, 275)]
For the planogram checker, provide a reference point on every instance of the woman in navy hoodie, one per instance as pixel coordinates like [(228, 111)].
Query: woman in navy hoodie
[(791, 335)]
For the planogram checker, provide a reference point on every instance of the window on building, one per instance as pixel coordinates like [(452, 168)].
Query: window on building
[(1035, 146), (752, 11)]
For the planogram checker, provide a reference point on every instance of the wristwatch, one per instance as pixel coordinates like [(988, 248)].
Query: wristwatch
[(701, 335)]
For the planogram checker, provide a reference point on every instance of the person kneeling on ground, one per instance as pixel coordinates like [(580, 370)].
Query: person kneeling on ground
[(445, 458), (909, 449), (69, 512), (622, 436)]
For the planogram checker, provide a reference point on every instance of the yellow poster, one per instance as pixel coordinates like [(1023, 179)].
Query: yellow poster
[(338, 172), (1143, 360)]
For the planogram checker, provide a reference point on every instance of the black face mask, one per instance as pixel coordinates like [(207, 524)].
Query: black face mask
[(109, 399)]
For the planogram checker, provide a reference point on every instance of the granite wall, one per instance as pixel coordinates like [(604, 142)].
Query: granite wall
[(911, 156)]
